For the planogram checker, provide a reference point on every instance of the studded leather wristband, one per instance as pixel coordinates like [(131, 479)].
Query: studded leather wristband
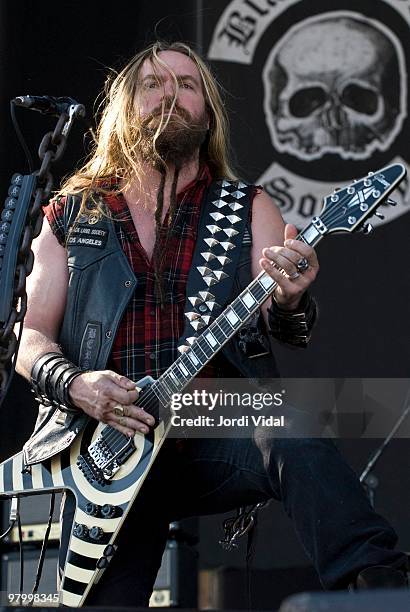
[(51, 376)]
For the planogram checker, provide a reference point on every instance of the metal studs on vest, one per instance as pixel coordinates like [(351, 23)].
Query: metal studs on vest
[(218, 233), (226, 191)]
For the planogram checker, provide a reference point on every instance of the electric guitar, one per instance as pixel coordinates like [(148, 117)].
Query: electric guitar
[(104, 468)]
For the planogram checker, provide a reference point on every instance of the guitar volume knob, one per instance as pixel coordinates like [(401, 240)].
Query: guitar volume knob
[(80, 531), (108, 511), (96, 533), (92, 509)]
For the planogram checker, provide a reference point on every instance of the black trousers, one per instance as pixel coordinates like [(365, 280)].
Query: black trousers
[(338, 529)]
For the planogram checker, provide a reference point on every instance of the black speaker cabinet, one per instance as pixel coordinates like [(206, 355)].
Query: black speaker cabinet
[(10, 572), (175, 586), (176, 583)]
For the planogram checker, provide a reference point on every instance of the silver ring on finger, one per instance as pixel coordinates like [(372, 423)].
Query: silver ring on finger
[(302, 265), (119, 410), (293, 276)]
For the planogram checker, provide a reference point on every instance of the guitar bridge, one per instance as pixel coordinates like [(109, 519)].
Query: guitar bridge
[(102, 459)]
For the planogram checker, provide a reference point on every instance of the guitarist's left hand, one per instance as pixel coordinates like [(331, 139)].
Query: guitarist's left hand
[(280, 262), (281, 258)]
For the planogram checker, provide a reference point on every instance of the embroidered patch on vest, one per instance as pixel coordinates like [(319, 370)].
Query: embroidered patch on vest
[(90, 346), (88, 237)]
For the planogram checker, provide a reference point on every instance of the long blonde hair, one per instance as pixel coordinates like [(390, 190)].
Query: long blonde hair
[(118, 134)]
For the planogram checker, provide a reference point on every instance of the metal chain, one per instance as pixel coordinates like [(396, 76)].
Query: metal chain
[(236, 527), (50, 150)]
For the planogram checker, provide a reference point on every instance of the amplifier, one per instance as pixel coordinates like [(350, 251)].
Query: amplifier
[(10, 573), (175, 586), (34, 511), (176, 583)]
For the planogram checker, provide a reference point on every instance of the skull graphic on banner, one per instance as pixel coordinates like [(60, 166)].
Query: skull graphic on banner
[(334, 84)]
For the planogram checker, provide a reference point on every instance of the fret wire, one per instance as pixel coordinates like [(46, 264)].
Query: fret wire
[(226, 327), (188, 364), (217, 333), (192, 357), (177, 373), (181, 366), (162, 384), (196, 347), (176, 382), (254, 290), (156, 387), (234, 324), (240, 309), (170, 381), (259, 291), (205, 347), (218, 326), (267, 283), (245, 307)]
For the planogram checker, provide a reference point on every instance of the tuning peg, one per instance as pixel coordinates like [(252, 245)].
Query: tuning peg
[(367, 229), (391, 202), (379, 215)]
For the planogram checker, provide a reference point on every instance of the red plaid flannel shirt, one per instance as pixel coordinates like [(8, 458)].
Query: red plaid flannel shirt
[(147, 337)]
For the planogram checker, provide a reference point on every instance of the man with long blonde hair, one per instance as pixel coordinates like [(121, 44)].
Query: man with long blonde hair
[(111, 272)]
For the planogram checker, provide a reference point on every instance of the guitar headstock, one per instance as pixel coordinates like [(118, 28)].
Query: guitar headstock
[(346, 210)]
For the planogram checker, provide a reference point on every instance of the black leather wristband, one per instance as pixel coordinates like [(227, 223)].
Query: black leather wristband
[(51, 375), (37, 368), (293, 327)]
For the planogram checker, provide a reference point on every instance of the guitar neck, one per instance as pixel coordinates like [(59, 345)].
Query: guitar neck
[(223, 328)]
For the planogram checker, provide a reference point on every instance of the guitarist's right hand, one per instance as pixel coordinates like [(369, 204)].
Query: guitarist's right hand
[(99, 393)]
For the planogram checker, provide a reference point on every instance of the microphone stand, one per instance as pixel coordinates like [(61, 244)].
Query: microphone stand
[(367, 478), (21, 222)]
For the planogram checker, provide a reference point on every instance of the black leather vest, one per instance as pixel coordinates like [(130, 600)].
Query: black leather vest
[(101, 283)]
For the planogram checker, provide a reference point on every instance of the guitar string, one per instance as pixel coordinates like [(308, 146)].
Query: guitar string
[(328, 216)]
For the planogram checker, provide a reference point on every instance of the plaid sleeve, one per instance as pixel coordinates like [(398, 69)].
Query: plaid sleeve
[(54, 212)]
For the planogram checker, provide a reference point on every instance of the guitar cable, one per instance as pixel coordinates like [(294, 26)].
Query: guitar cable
[(14, 511), (21, 554), (44, 545)]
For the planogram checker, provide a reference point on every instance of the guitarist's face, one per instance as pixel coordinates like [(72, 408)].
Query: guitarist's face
[(171, 85), (171, 108)]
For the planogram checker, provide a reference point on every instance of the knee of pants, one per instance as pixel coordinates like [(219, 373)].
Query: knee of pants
[(279, 450)]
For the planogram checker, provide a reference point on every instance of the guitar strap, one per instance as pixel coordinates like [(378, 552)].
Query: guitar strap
[(221, 233)]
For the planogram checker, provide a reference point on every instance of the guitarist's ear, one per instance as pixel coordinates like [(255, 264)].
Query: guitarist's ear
[(290, 232)]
